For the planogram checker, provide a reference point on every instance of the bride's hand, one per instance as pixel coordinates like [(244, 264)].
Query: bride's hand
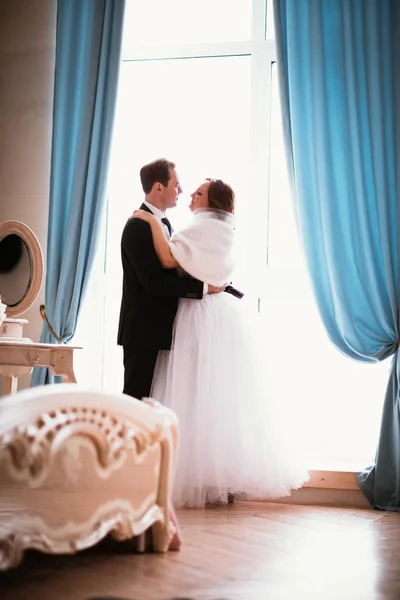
[(212, 289), (143, 215)]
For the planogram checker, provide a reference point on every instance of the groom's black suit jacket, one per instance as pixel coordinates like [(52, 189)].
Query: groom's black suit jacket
[(150, 293)]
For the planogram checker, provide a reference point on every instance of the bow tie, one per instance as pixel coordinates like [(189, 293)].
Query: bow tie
[(168, 224)]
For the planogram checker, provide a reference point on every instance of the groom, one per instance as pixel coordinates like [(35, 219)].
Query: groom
[(150, 293)]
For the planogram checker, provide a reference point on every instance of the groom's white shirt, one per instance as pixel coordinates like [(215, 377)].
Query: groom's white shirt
[(160, 215)]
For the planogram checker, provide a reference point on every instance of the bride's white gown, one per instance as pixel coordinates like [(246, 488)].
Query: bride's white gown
[(232, 438)]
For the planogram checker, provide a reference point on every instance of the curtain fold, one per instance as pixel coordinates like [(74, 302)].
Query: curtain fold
[(339, 87), (88, 56)]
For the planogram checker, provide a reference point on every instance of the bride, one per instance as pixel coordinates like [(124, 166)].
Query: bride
[(232, 440)]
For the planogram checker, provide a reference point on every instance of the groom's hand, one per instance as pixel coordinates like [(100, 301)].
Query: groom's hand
[(212, 289)]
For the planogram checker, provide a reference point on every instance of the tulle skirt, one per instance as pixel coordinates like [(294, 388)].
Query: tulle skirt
[(233, 437)]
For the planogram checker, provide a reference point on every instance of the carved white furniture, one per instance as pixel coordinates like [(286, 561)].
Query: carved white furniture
[(19, 286), (76, 465), (17, 359)]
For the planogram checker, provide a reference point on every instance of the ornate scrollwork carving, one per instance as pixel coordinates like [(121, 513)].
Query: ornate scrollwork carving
[(119, 518), (32, 357), (31, 446), (11, 550)]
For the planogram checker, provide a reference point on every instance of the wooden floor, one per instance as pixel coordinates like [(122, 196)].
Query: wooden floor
[(243, 551)]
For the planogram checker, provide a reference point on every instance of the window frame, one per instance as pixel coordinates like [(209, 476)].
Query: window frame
[(262, 54)]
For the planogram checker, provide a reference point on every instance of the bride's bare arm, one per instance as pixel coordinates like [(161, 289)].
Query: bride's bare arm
[(161, 244)]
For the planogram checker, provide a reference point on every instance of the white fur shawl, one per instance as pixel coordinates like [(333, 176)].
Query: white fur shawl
[(204, 248)]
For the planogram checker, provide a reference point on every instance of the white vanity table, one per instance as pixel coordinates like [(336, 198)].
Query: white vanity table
[(19, 287), (19, 358)]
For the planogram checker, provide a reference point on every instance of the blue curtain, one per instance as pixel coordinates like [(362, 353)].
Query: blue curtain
[(339, 83), (88, 54)]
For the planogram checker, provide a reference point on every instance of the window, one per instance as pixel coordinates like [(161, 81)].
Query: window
[(199, 128), (198, 85)]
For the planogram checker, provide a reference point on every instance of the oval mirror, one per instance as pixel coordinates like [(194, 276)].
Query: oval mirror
[(21, 267)]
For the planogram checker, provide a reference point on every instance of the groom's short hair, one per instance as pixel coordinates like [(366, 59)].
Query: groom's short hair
[(158, 171)]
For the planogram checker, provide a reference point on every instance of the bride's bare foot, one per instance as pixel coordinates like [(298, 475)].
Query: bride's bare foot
[(176, 542)]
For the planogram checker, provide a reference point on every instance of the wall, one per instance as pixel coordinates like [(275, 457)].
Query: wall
[(27, 55)]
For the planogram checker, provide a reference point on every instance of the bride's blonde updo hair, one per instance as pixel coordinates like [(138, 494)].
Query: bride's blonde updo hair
[(221, 195)]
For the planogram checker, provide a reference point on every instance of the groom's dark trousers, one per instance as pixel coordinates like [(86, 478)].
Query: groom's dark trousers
[(148, 307)]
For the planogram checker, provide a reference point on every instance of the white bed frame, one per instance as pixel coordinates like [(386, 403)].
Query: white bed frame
[(76, 465)]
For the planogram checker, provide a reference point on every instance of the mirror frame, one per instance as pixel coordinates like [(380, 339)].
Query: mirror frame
[(36, 260)]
